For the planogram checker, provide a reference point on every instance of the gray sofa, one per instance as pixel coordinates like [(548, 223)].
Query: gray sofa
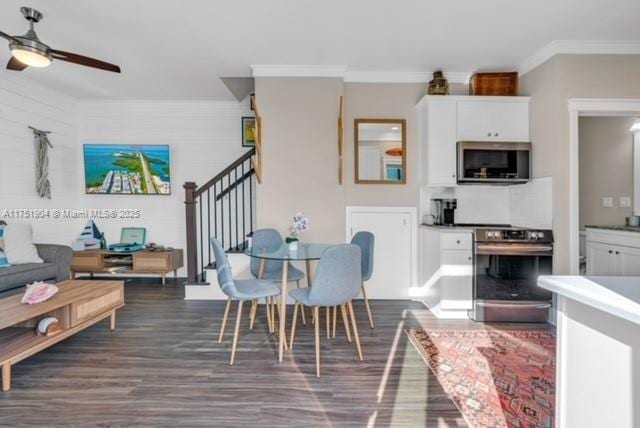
[(56, 267)]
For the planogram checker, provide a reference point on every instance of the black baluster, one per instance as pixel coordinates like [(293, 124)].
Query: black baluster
[(235, 191), (229, 196), (209, 226), (244, 201), (201, 247)]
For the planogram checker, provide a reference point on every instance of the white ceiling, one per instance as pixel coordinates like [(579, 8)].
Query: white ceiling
[(178, 49)]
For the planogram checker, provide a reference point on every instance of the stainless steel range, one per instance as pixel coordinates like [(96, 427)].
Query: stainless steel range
[(507, 264)]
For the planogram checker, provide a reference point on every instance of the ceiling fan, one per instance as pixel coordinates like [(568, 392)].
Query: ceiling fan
[(29, 51)]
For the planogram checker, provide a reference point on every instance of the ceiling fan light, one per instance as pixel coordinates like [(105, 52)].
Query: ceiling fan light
[(30, 57)]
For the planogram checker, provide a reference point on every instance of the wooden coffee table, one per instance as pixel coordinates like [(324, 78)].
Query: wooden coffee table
[(78, 305)]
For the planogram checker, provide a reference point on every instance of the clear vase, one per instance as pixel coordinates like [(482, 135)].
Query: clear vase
[(293, 246)]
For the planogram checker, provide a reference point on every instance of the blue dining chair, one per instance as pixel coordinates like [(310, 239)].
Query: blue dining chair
[(238, 289), (365, 240), (270, 239), (336, 282)]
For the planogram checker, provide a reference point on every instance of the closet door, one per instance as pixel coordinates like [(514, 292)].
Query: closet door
[(394, 264)]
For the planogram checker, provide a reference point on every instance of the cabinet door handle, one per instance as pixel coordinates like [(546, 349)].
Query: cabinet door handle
[(469, 259), (610, 251), (489, 134), (496, 134), (617, 252), (458, 241)]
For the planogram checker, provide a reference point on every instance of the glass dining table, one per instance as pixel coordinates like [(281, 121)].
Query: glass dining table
[(305, 252)]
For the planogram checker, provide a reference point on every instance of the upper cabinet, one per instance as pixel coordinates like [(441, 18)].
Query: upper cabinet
[(445, 120), (493, 121)]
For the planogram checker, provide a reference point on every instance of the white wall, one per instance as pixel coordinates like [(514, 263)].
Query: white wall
[(606, 168), (204, 137), (23, 104)]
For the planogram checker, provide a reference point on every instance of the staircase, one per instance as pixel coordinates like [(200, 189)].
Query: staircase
[(222, 208)]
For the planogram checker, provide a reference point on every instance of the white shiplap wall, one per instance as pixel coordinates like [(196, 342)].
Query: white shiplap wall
[(23, 104), (204, 138)]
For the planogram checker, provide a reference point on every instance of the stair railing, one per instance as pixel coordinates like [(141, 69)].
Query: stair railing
[(222, 208)]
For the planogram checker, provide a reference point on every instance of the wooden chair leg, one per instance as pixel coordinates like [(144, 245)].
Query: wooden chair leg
[(345, 321), (236, 332), (304, 321), (286, 342), (328, 322), (335, 318), (224, 319), (252, 314), (366, 303), (293, 326), (316, 314), (355, 330), (268, 313)]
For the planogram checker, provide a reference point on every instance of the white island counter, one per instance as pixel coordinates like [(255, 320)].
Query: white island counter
[(598, 355)]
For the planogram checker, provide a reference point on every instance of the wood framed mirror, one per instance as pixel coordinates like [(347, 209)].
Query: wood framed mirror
[(380, 151)]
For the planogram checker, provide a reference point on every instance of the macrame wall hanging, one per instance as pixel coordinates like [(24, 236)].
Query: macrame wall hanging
[(43, 187)]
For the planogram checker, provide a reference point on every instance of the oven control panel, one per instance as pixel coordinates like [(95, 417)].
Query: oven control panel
[(513, 235)]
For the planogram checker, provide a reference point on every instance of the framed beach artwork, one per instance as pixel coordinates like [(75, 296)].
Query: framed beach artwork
[(127, 169), (248, 132)]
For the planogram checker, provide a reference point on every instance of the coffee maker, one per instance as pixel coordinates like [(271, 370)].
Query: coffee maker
[(443, 211)]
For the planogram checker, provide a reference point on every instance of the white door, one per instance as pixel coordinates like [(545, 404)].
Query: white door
[(393, 260), (441, 140), (457, 279), (627, 261), (599, 259)]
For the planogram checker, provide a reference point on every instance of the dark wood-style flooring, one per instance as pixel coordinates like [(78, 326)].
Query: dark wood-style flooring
[(163, 366)]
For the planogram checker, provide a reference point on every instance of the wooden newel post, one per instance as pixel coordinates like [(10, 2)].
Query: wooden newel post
[(192, 243)]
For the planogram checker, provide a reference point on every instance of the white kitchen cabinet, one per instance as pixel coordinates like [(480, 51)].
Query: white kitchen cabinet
[(599, 261), (627, 261), (484, 120), (439, 148), (613, 253), (446, 280), (394, 257), (445, 120), (457, 280)]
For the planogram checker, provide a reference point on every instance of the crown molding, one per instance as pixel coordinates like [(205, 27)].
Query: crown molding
[(362, 76), (579, 47), (354, 76), (298, 70)]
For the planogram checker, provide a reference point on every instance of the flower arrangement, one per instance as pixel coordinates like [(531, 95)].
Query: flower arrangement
[(300, 224)]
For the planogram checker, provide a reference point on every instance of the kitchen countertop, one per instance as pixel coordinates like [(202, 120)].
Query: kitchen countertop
[(618, 296), (620, 228), (453, 228)]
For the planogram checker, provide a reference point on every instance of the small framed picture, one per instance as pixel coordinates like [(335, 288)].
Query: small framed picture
[(248, 132)]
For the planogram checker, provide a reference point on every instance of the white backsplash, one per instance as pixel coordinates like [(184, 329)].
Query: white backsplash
[(530, 205), (526, 205)]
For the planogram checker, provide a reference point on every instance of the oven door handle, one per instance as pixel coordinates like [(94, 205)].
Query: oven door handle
[(512, 248)]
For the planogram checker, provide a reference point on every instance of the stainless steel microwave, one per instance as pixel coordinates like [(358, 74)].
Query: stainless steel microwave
[(484, 162)]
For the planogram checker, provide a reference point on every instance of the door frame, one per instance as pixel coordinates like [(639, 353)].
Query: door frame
[(413, 231), (581, 107)]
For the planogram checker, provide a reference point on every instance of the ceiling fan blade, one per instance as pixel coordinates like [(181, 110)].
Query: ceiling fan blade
[(16, 65), (8, 37), (84, 60)]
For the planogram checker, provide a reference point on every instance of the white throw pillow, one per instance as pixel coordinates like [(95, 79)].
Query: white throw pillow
[(18, 243)]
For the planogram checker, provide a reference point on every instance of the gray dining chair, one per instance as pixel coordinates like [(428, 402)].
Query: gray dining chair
[(240, 290), (270, 239), (336, 282), (365, 240)]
